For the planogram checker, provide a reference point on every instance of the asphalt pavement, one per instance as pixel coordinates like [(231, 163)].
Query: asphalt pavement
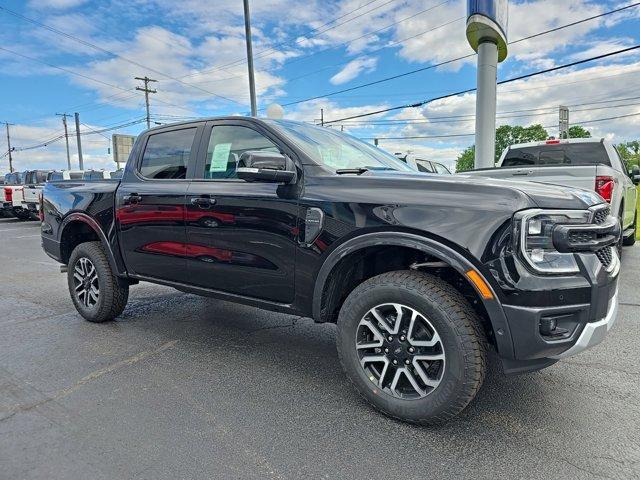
[(182, 386)]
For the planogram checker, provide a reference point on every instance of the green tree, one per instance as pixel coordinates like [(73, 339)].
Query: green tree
[(465, 160), (630, 153), (577, 131)]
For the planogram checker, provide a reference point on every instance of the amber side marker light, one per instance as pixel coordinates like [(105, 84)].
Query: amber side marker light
[(480, 284)]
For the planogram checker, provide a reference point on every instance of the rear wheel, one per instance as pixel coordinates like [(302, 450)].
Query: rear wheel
[(412, 346), (94, 288), (631, 238)]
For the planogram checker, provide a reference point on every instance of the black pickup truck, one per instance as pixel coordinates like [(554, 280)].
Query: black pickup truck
[(422, 273)]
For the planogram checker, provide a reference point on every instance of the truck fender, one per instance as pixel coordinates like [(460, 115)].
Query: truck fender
[(82, 217), (431, 247)]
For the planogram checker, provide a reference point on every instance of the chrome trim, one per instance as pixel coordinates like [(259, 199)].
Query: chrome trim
[(593, 333)]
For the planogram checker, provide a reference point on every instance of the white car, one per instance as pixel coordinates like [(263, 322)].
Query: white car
[(422, 165), (33, 184), (588, 163)]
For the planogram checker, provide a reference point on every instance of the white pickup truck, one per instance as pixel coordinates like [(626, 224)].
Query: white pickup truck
[(12, 195), (33, 184), (592, 164)]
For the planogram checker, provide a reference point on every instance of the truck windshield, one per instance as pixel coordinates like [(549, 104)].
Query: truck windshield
[(337, 150), (557, 154)]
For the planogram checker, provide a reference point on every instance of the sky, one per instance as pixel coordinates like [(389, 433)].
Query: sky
[(66, 56)]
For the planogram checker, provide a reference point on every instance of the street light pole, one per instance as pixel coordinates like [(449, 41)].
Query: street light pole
[(486, 105), (252, 83)]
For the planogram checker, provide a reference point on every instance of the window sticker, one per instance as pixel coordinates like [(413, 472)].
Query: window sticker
[(220, 157)]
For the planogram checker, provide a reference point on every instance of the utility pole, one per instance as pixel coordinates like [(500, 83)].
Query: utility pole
[(322, 117), (80, 162), (66, 137), (563, 125), (146, 91), (9, 147), (252, 83)]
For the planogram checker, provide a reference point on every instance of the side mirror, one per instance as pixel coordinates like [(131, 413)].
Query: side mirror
[(259, 166), (635, 174)]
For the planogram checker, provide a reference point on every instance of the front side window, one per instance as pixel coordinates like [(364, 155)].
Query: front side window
[(166, 155), (226, 144), (441, 169)]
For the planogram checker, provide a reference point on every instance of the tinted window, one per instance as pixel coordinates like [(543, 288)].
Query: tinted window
[(75, 175), (226, 144), (167, 154), (424, 166), (55, 176), (93, 175), (441, 169), (117, 174), (558, 154)]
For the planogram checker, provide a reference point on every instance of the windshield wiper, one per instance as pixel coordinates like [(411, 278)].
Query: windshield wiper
[(356, 171)]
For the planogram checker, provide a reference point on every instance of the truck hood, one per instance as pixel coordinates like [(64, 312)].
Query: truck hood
[(540, 195)]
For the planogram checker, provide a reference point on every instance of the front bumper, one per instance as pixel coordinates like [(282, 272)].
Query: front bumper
[(593, 333)]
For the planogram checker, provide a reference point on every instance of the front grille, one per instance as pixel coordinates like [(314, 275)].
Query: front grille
[(601, 215), (605, 256)]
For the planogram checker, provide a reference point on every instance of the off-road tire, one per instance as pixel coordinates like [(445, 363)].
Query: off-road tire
[(112, 297), (631, 239), (459, 328)]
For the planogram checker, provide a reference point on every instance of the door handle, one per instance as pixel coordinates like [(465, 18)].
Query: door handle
[(203, 202), (131, 199)]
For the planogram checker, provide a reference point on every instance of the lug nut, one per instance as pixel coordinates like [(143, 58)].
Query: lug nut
[(411, 349), (386, 350), (390, 338), (395, 362), (402, 338), (407, 361)]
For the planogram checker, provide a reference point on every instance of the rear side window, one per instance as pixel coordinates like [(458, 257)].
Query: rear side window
[(424, 166), (562, 154), (441, 169), (55, 176), (167, 154)]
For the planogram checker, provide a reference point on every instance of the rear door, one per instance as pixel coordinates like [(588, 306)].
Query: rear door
[(150, 203), (241, 236)]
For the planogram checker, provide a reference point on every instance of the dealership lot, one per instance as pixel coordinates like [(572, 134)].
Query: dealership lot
[(184, 386)]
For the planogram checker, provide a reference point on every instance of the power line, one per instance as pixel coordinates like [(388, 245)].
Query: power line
[(470, 134), (469, 90), (453, 60), (109, 52), (298, 40)]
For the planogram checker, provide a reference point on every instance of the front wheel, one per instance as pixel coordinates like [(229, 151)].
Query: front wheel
[(94, 289), (412, 346)]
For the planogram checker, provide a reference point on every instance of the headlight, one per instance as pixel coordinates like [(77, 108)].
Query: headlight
[(534, 231)]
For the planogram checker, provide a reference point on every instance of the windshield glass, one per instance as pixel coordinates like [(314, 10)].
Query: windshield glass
[(557, 154), (337, 150)]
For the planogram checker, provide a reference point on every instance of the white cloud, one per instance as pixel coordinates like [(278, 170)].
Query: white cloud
[(56, 4), (354, 68)]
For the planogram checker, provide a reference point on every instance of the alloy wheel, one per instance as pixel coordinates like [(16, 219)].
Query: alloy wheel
[(400, 351), (85, 280)]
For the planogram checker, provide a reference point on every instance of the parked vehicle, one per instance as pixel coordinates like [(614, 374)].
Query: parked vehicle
[(57, 176), (420, 272), (96, 175), (13, 195), (421, 165), (592, 164), (34, 182)]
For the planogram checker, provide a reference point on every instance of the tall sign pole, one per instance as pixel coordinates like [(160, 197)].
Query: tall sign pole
[(486, 33), (252, 82)]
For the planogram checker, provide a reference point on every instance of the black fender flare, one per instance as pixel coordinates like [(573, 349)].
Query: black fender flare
[(84, 218), (431, 247)]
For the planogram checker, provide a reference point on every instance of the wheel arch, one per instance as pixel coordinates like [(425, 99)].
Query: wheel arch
[(78, 228), (426, 245)]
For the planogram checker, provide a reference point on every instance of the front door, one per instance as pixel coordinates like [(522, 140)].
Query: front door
[(241, 236), (150, 204)]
